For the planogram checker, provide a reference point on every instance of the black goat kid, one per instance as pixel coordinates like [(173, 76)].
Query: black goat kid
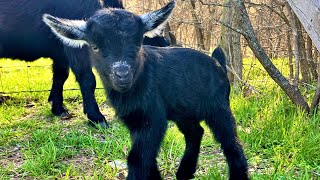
[(148, 85)]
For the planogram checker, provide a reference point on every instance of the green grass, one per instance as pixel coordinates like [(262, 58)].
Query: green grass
[(280, 141)]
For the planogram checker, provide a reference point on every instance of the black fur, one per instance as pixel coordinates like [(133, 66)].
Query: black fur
[(184, 86), (24, 36), (156, 41), (149, 85)]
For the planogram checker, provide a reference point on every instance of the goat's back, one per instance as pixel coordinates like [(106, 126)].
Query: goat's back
[(187, 80), (23, 35)]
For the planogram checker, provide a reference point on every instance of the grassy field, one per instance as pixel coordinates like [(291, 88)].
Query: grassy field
[(280, 141)]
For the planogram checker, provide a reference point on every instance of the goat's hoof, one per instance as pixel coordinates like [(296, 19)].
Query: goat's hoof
[(99, 125), (59, 111), (65, 115)]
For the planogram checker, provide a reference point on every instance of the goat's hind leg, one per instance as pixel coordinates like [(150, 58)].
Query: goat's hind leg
[(193, 133), (222, 124)]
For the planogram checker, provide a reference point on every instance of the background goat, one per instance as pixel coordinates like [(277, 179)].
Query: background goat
[(148, 85), (24, 36)]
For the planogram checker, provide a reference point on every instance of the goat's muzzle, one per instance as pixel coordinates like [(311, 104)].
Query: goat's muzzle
[(121, 77)]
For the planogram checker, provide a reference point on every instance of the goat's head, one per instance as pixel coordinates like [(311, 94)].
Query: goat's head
[(115, 37)]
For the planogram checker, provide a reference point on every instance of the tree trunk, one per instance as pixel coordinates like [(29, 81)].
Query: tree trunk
[(197, 25), (309, 15), (304, 65), (270, 48), (225, 37), (212, 12), (312, 65), (290, 54), (295, 44), (316, 98), (230, 42), (237, 60), (248, 32), (278, 46)]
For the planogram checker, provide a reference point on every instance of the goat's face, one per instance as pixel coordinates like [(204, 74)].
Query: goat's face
[(115, 37)]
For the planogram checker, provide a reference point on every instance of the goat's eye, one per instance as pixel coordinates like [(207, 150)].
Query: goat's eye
[(95, 48)]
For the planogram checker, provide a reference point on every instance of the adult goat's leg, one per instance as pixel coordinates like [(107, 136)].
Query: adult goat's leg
[(222, 124), (193, 134), (60, 68), (146, 143), (81, 66)]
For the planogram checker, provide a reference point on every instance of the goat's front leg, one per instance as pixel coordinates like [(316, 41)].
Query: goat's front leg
[(146, 143), (81, 66)]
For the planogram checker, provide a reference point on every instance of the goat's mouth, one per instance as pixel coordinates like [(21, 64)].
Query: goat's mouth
[(122, 86), (121, 82)]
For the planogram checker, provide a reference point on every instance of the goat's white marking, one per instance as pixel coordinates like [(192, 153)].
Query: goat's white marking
[(149, 20), (119, 63), (74, 26)]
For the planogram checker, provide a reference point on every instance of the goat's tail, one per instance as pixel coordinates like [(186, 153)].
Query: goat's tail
[(219, 55)]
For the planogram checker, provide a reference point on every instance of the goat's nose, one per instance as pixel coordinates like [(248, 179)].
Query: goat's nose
[(122, 74)]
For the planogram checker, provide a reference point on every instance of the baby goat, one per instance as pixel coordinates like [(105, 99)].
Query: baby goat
[(148, 85)]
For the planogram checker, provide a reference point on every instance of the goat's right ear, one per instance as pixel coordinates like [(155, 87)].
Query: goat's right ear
[(70, 32), (155, 21)]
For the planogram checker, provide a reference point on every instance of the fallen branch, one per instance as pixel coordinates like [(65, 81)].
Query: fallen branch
[(244, 83)]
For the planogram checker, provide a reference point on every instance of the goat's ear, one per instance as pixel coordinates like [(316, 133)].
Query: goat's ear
[(155, 21), (70, 32)]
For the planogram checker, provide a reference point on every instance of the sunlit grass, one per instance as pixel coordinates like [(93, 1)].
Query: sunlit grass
[(280, 141)]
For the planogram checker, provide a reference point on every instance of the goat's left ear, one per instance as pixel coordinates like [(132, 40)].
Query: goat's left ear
[(70, 32), (155, 21)]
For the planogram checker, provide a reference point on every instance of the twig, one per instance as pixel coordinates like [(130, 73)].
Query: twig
[(281, 15), (214, 4), (233, 28), (306, 84), (243, 82)]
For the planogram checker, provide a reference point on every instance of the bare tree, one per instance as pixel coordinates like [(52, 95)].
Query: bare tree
[(247, 31)]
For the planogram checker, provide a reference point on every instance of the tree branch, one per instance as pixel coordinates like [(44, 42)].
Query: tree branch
[(281, 15), (232, 28)]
